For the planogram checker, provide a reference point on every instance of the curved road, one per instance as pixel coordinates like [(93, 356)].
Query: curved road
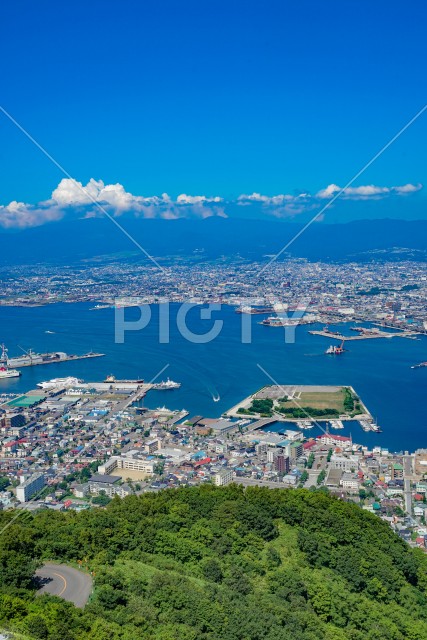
[(65, 582)]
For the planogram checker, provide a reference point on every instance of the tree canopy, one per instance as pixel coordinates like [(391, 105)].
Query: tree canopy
[(217, 563)]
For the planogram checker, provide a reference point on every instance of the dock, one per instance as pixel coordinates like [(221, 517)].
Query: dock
[(368, 335), (57, 360)]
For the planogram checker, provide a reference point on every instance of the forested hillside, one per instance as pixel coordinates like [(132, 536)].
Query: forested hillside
[(212, 563)]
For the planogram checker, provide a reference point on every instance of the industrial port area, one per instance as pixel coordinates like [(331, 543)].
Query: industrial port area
[(8, 366)]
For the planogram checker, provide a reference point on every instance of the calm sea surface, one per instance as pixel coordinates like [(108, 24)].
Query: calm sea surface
[(379, 370)]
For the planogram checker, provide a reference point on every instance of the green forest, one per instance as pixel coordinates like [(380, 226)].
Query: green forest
[(207, 563)]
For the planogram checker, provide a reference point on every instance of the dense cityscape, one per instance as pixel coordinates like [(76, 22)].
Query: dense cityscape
[(377, 291), (72, 445)]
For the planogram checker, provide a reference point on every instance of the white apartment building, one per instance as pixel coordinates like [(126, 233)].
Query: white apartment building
[(122, 462), (349, 482), (27, 489), (223, 477), (347, 464)]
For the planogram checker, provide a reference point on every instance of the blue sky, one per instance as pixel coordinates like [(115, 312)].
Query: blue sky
[(215, 98)]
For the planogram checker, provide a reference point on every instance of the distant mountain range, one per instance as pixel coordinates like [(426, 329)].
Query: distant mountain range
[(100, 240)]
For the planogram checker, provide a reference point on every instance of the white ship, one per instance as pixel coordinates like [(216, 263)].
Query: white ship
[(305, 424), (336, 424), (5, 372), (165, 385), (58, 383)]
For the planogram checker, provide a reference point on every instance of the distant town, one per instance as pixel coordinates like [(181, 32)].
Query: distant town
[(72, 445), (394, 293)]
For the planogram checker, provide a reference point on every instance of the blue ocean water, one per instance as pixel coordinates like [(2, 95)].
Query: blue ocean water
[(379, 370)]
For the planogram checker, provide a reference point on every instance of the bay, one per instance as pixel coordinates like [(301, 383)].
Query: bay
[(379, 370)]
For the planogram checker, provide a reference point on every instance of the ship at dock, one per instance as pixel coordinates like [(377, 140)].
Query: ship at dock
[(165, 385), (370, 425), (254, 310), (277, 321), (113, 380), (5, 370), (58, 383), (305, 424)]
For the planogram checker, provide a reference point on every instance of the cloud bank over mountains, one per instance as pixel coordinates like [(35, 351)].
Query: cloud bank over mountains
[(71, 199)]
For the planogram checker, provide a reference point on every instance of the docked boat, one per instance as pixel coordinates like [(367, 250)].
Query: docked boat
[(113, 380), (277, 321), (27, 359), (336, 424), (5, 370), (305, 424), (366, 425), (166, 385), (58, 383)]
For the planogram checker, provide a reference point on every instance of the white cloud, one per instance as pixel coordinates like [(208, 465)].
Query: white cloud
[(71, 192), (366, 192), (267, 200), (19, 215), (408, 188), (185, 199), (329, 192), (73, 199)]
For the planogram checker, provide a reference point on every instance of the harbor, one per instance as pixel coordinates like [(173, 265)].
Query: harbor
[(371, 367)]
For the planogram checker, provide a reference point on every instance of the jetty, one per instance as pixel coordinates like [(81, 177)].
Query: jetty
[(367, 334)]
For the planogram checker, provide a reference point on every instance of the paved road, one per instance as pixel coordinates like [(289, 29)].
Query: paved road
[(407, 473), (65, 582)]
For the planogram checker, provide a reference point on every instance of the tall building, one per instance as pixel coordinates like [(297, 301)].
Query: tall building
[(296, 450), (223, 477), (11, 420), (30, 487), (281, 464)]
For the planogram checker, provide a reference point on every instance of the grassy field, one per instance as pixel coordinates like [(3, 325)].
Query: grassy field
[(319, 400)]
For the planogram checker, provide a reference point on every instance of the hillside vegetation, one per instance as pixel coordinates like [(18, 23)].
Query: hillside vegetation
[(210, 563)]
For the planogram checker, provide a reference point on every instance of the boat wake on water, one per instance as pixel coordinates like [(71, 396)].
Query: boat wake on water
[(312, 355)]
